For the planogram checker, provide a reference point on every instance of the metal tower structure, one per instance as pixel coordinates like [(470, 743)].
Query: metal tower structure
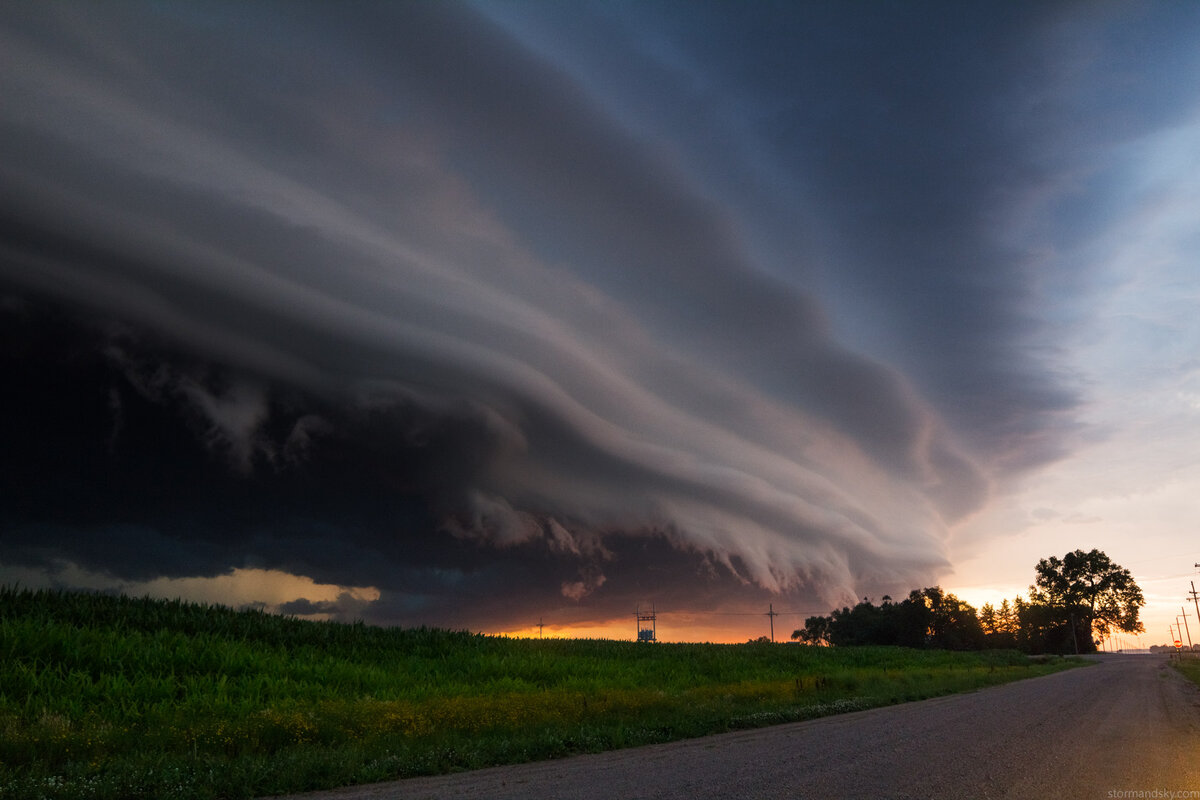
[(647, 632)]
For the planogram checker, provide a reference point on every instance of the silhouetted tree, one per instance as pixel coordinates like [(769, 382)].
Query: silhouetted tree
[(864, 624), (987, 619), (1045, 629), (815, 631), (927, 618), (999, 625), (950, 624), (1074, 600), (1006, 619), (1089, 595)]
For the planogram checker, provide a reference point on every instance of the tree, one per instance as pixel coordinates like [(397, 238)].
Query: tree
[(815, 631), (1096, 595), (1000, 625), (1006, 619), (864, 624), (987, 619), (950, 624), (1043, 628), (927, 618), (867, 624)]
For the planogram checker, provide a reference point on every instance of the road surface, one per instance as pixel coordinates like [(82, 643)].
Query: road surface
[(1126, 727)]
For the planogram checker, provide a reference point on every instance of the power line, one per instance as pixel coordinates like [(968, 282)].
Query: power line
[(753, 613), (1159, 558)]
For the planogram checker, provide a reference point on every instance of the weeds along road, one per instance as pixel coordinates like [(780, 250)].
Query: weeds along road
[(1125, 727)]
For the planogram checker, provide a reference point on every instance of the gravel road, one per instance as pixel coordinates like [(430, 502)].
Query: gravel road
[(1127, 726)]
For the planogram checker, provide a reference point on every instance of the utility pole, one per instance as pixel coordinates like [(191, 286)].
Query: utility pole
[(539, 627), (772, 615), (1195, 601), (1186, 627)]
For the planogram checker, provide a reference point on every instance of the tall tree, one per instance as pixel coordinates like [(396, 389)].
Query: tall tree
[(987, 619), (999, 625), (1006, 619), (1099, 595)]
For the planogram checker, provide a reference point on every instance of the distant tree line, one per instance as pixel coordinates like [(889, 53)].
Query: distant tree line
[(1073, 604), (1169, 648)]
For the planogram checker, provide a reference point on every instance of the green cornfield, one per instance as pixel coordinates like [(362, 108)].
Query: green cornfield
[(115, 697)]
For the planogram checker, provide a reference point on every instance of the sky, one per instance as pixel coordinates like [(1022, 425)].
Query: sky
[(485, 315)]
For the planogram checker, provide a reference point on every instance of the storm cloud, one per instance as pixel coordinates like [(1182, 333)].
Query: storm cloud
[(432, 298)]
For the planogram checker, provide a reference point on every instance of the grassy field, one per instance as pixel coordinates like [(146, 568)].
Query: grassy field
[(1189, 665), (114, 697)]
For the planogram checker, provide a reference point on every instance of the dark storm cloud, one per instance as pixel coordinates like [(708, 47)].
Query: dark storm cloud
[(930, 147), (397, 298)]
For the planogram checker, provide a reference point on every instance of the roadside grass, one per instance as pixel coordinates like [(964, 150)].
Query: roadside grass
[(1189, 665), (113, 697)]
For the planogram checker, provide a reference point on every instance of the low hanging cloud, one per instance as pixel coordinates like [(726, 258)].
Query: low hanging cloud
[(392, 299)]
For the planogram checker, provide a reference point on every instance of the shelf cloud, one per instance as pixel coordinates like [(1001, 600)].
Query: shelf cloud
[(436, 299)]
